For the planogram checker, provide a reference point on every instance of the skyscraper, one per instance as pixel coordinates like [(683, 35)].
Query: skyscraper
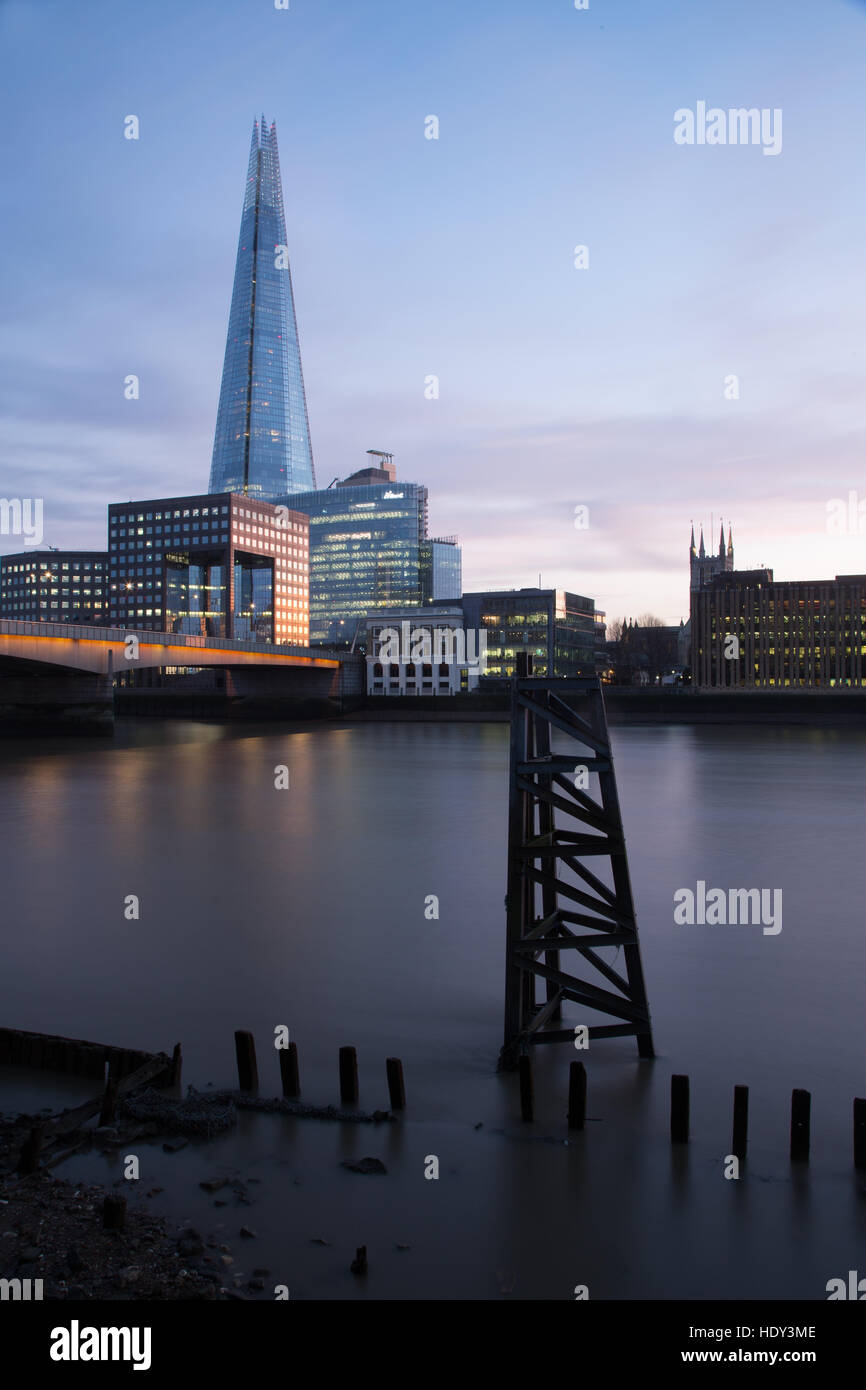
[(262, 442)]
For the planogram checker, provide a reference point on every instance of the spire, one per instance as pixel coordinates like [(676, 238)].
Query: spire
[(722, 542), (692, 545), (730, 543), (262, 439), (702, 554)]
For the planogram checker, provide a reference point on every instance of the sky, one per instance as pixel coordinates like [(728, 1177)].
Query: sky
[(607, 387)]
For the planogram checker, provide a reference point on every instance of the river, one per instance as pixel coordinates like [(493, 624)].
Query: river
[(306, 907)]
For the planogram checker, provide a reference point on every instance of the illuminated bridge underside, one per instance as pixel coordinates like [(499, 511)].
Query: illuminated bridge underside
[(103, 650)]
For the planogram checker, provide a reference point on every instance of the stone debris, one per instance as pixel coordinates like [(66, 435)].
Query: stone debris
[(52, 1230), (365, 1165)]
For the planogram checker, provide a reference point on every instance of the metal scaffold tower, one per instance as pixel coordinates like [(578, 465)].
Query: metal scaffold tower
[(555, 903)]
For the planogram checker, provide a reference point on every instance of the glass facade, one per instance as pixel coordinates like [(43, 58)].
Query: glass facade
[(262, 442), (365, 552), (69, 586), (557, 628), (441, 569)]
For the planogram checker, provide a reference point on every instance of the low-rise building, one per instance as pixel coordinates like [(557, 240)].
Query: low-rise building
[(55, 586), (421, 651)]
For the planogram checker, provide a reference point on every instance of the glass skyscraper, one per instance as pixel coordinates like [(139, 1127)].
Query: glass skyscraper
[(262, 442), (366, 538)]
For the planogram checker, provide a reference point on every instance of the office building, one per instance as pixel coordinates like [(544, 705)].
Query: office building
[(441, 569), (751, 632), (413, 651), (560, 630), (366, 538), (262, 441), (55, 586), (218, 564)]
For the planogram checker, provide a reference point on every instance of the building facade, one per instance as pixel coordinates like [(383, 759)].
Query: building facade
[(562, 631), (366, 538), (262, 441), (751, 632), (55, 586), (218, 564), (441, 569), (413, 652)]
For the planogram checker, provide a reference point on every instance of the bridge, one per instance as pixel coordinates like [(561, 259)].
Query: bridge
[(107, 650), (62, 672)]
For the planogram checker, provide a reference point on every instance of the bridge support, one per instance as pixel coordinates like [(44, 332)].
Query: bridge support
[(555, 903), (55, 700)]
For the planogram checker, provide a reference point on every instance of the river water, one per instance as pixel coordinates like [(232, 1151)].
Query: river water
[(306, 907)]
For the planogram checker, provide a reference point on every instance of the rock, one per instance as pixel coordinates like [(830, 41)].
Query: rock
[(226, 1260), (256, 1284), (189, 1243), (173, 1146), (218, 1203), (317, 1240), (213, 1184), (261, 1273), (403, 1247), (359, 1264), (247, 1233), (366, 1165)]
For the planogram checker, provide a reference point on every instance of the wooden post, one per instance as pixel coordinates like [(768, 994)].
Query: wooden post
[(113, 1213), (396, 1087), (801, 1106), (348, 1076), (680, 1109), (28, 1159), (248, 1072), (289, 1071), (576, 1095), (109, 1102), (524, 1067), (740, 1140), (176, 1066), (860, 1134)]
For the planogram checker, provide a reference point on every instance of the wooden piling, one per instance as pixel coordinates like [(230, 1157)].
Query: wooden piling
[(109, 1102), (801, 1107), (28, 1159), (396, 1086), (860, 1134), (113, 1213), (524, 1067), (248, 1072), (576, 1095), (739, 1142), (348, 1076), (176, 1066), (680, 1109), (289, 1071)]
